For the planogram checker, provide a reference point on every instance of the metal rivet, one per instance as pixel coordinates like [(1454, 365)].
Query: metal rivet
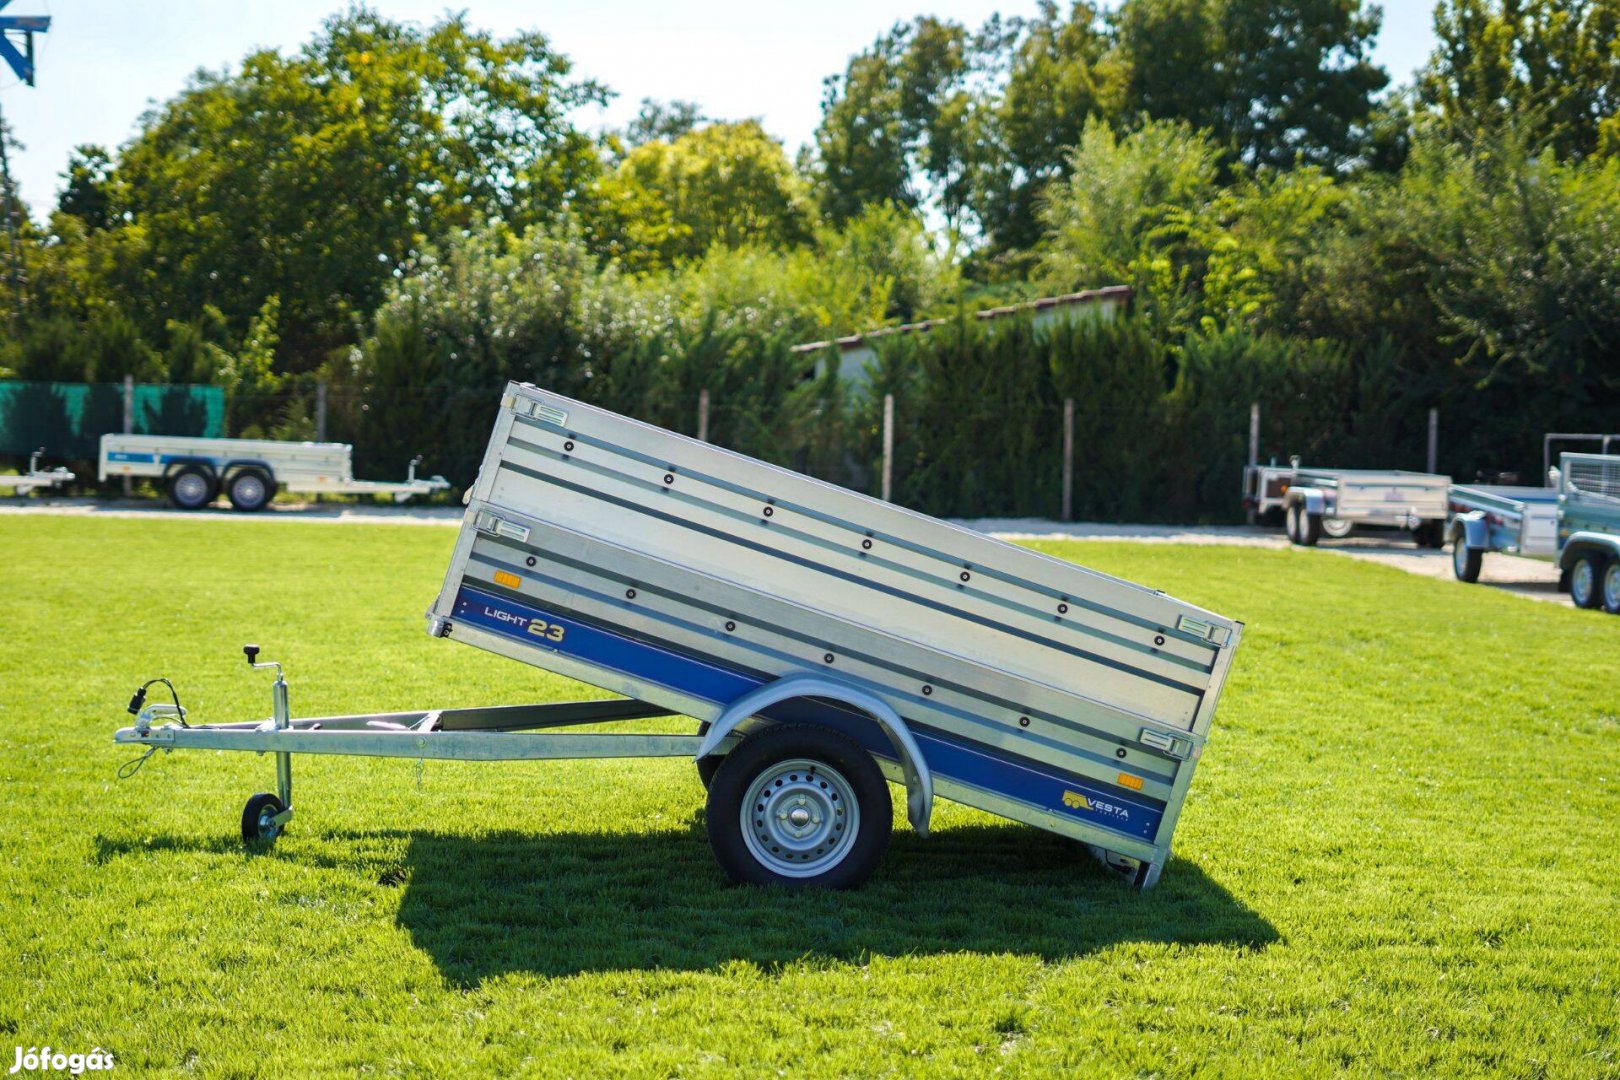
[(730, 626), (769, 511), (1063, 609), (1120, 753), (669, 478), (828, 658), (629, 594), (1023, 721), (1158, 639), (529, 561), (927, 690), (866, 545), (569, 446)]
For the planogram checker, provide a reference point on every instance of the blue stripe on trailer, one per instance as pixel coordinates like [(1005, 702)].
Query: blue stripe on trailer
[(131, 457), (1038, 786)]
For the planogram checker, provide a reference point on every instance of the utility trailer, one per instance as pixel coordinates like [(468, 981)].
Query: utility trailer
[(196, 470), (1265, 491), (35, 477), (1513, 520), (1589, 529), (1331, 502), (824, 641)]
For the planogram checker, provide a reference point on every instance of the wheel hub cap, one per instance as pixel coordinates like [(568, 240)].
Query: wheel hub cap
[(800, 818)]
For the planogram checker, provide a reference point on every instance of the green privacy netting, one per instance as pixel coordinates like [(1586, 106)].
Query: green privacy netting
[(67, 419)]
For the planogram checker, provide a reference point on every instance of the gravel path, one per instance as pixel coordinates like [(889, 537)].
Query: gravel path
[(1523, 577)]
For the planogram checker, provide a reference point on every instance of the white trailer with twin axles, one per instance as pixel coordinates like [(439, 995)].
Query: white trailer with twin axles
[(826, 642), (196, 470), (1332, 502)]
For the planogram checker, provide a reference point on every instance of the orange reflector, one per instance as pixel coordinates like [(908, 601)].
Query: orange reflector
[(1132, 782), (511, 581)]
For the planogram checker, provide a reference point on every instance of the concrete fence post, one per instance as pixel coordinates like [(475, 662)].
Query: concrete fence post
[(129, 424), (703, 415), (1068, 459), (1434, 440), (888, 447), (1254, 447)]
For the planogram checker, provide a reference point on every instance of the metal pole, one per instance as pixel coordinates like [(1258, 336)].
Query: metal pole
[(1068, 459), (129, 424), (703, 415), (1434, 439), (320, 411), (1254, 433), (888, 447)]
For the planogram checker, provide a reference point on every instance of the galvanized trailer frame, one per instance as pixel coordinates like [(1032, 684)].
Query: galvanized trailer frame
[(35, 477), (196, 470), (757, 601), (1510, 519), (1332, 502)]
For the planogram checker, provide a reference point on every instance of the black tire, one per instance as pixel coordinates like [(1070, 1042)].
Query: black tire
[(1430, 534), (1465, 560), (250, 490), (1310, 528), (192, 487), (707, 767), (256, 828), (823, 776), (1611, 587), (1586, 581)]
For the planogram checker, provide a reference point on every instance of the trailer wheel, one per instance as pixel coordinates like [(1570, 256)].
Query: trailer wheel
[(1291, 518), (192, 488), (800, 806), (1337, 528), (1584, 577), (250, 490), (256, 818), (1309, 528), (1430, 534), (1611, 587), (1465, 560)]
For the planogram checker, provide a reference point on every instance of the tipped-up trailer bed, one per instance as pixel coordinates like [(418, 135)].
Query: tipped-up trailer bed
[(1332, 502), (1509, 519), (824, 641), (35, 477), (195, 471)]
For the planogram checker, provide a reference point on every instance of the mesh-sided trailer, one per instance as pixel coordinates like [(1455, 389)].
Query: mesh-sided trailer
[(1589, 529), (824, 641)]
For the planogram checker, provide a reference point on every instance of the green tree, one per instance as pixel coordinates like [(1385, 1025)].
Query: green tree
[(725, 184), (312, 176), (1548, 67), (86, 191), (897, 127)]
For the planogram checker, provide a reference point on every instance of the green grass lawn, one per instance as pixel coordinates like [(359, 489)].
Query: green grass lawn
[(1400, 854)]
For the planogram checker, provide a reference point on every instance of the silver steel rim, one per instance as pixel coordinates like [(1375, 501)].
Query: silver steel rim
[(1459, 557), (1611, 586), (191, 488), (1291, 523), (1580, 586), (800, 818), (1336, 528), (249, 489), (267, 823)]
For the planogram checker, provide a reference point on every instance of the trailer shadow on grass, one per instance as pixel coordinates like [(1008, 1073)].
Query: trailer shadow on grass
[(566, 903)]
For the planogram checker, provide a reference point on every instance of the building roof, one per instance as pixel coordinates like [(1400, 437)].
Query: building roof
[(1045, 303)]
